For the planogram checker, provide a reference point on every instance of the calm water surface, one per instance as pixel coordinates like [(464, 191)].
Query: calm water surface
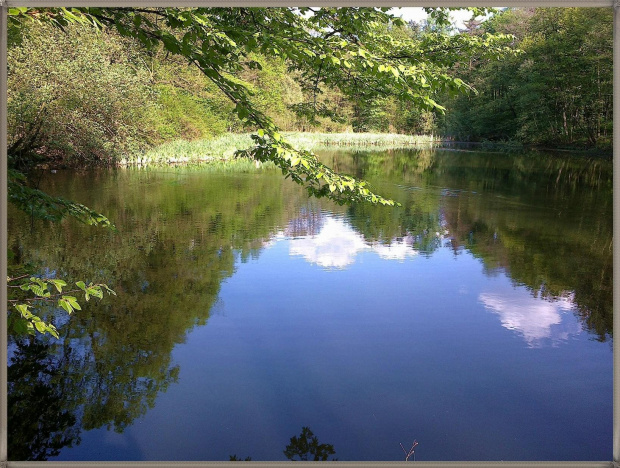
[(475, 319)]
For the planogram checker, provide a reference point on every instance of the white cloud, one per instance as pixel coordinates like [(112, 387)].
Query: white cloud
[(537, 320), (337, 245), (397, 250)]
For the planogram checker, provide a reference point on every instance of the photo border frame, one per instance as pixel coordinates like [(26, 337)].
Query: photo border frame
[(6, 4)]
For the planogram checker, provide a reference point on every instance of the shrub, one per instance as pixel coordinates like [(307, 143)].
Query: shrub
[(75, 96)]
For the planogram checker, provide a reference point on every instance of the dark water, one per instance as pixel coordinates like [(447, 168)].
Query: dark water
[(475, 319)]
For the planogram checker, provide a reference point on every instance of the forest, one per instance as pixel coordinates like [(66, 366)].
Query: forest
[(80, 95)]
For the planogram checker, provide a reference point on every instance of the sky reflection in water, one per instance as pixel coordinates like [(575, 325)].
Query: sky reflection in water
[(539, 321), (469, 319)]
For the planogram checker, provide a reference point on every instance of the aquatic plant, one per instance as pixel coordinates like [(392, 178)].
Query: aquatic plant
[(411, 450)]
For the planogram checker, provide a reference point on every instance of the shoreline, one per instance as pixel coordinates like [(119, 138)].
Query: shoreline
[(219, 152), (222, 149)]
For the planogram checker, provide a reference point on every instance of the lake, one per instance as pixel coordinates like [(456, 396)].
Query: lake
[(475, 319)]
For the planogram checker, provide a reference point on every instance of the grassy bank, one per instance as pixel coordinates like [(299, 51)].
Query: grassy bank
[(221, 150), (366, 141)]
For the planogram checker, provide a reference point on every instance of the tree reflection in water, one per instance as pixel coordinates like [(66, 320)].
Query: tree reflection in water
[(306, 447), (41, 415), (519, 214)]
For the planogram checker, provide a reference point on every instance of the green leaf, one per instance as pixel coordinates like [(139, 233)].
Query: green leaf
[(64, 303), (242, 111), (95, 291), (58, 283), (73, 302), (23, 310)]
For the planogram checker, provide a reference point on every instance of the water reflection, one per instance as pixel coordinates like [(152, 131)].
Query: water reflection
[(543, 219), (546, 227), (42, 420), (337, 245), (306, 447), (537, 320)]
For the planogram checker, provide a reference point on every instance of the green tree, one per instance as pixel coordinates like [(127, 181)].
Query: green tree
[(76, 93), (556, 92), (344, 48)]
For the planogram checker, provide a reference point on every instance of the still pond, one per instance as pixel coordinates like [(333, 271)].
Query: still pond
[(475, 319)]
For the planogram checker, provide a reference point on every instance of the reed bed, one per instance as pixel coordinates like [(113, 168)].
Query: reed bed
[(214, 150), (220, 151), (366, 141)]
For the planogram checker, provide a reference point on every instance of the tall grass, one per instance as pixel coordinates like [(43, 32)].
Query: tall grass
[(220, 150), (366, 141), (183, 152)]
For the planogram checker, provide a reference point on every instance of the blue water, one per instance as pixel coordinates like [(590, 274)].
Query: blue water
[(475, 319), (351, 344)]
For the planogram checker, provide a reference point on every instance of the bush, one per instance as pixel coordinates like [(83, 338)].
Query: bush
[(75, 96)]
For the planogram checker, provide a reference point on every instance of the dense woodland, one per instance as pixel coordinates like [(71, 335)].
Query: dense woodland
[(556, 92), (82, 95)]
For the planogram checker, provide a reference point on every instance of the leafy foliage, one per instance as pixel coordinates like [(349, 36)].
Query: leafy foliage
[(348, 49), (78, 97), (42, 290), (558, 91), (40, 205)]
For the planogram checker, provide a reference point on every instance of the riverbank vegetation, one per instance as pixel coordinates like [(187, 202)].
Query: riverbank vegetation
[(223, 148), (93, 86), (81, 96)]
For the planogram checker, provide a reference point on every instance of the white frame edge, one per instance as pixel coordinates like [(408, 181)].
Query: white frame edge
[(5, 4)]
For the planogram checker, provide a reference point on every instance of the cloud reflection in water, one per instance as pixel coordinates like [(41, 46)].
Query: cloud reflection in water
[(539, 321), (337, 244), (332, 243)]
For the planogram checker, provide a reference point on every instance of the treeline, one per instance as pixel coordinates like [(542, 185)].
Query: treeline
[(556, 92), (81, 96)]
